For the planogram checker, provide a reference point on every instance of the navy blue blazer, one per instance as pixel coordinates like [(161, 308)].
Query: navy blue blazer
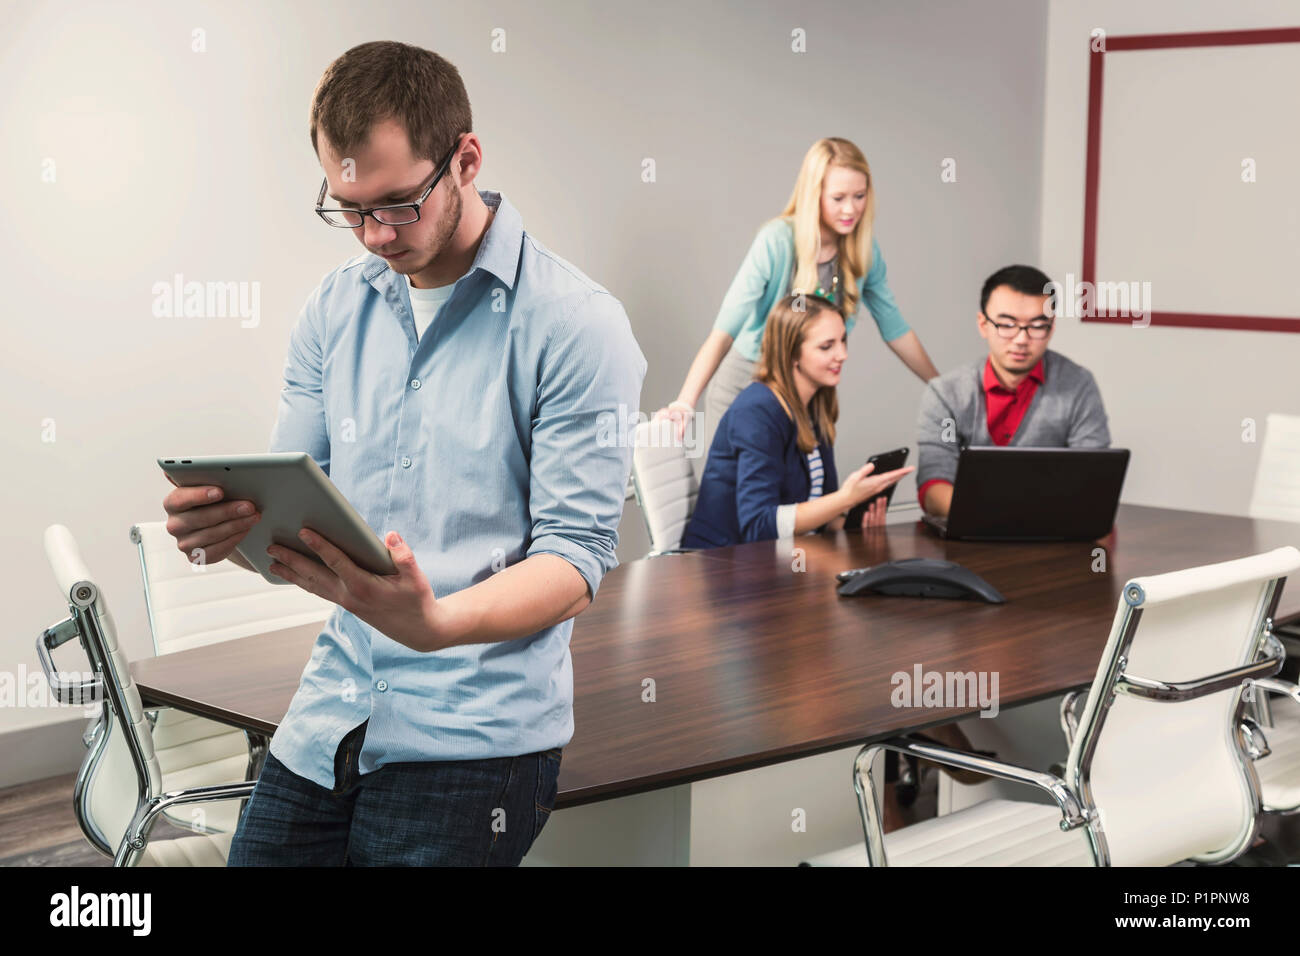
[(754, 465)]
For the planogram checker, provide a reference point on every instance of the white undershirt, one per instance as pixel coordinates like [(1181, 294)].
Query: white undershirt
[(425, 304)]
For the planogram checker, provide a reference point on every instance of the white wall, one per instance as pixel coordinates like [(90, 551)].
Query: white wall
[(171, 161), (1176, 396)]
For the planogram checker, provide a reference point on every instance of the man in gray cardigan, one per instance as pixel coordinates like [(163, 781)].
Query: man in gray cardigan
[(1022, 394)]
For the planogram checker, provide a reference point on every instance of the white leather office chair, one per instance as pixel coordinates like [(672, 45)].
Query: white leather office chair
[(1160, 768), (1277, 497), (665, 484), (119, 794), (188, 608), (1279, 738), (1277, 480)]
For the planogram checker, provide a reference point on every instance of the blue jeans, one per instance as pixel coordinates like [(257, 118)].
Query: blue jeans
[(437, 813)]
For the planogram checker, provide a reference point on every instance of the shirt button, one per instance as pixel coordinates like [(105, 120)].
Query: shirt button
[(406, 462), (415, 383), (381, 686)]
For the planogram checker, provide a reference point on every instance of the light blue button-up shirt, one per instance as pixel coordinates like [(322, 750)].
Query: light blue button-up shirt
[(482, 443)]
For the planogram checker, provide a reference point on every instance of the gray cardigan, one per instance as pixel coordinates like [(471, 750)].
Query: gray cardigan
[(1065, 412)]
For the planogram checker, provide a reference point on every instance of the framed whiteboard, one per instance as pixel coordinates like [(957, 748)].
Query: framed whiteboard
[(1193, 176)]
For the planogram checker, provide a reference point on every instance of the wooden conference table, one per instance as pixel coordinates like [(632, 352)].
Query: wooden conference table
[(755, 659)]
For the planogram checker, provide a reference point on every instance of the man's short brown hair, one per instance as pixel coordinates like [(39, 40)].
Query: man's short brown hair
[(389, 80)]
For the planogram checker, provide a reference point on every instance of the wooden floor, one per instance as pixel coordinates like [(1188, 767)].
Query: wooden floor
[(38, 828)]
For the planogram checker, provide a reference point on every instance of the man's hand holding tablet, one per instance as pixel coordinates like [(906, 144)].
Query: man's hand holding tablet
[(400, 606), (209, 527), (204, 524)]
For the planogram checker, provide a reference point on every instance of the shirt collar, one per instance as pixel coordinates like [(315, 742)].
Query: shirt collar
[(991, 379), (498, 253)]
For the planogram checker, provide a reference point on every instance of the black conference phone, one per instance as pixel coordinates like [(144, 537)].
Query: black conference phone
[(918, 577)]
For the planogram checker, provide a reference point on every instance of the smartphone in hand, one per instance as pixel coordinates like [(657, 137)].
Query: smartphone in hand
[(885, 461)]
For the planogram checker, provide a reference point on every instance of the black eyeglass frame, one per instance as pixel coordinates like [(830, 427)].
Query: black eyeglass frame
[(1045, 328), (323, 212)]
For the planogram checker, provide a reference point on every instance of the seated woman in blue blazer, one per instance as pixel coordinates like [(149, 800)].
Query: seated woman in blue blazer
[(771, 471)]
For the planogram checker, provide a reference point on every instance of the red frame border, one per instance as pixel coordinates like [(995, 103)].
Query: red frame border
[(1163, 41)]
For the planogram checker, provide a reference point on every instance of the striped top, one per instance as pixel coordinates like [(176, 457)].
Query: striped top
[(815, 473)]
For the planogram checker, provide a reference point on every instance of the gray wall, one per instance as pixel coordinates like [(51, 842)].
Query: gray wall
[(173, 161), (1179, 397)]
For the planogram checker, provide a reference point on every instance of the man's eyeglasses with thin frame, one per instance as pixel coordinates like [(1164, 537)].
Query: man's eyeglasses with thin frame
[(1038, 328), (398, 214)]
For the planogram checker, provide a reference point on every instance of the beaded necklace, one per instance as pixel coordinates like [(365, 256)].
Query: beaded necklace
[(833, 292)]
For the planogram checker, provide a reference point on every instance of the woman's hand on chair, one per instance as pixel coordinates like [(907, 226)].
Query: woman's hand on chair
[(678, 412)]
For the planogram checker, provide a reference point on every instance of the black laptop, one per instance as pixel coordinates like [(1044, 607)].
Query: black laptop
[(1034, 494)]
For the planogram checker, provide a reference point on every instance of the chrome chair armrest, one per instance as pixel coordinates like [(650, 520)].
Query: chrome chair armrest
[(1167, 692), (146, 815), (1073, 814), (65, 691)]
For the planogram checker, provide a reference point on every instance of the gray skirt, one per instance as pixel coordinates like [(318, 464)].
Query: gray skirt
[(733, 376)]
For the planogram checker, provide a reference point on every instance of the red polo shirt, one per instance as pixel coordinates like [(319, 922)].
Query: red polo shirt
[(1005, 409)]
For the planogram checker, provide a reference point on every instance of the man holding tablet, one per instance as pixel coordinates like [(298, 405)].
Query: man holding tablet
[(450, 382), (1019, 394)]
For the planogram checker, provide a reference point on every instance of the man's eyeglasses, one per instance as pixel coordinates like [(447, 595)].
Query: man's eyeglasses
[(400, 214), (1036, 329)]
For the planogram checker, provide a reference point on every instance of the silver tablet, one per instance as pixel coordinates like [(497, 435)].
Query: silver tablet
[(292, 493)]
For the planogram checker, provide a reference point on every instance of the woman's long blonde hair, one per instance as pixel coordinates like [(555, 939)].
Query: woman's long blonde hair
[(787, 327), (804, 213)]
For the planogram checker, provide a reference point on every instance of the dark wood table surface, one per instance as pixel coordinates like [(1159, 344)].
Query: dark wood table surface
[(755, 659)]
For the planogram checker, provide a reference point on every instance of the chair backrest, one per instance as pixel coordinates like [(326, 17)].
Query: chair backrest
[(1169, 780), (1277, 480), (191, 605), (120, 769), (665, 483)]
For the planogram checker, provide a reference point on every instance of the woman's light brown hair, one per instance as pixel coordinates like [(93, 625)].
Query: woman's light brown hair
[(783, 338)]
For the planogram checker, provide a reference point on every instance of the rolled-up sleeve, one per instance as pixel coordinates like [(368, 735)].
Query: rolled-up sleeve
[(300, 421), (879, 299), (588, 394)]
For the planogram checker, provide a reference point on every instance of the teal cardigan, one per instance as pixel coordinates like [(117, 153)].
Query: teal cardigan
[(765, 277)]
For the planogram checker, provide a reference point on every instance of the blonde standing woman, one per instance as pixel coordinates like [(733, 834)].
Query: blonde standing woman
[(822, 245)]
